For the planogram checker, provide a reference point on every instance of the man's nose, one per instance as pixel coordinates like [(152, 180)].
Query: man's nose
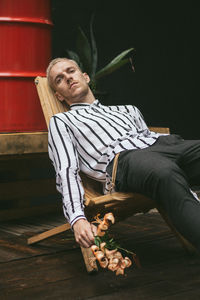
[(68, 78)]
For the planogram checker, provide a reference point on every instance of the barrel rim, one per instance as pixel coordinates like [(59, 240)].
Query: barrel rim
[(26, 20), (22, 74)]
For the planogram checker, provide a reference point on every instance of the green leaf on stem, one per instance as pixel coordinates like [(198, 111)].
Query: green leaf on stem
[(84, 51), (115, 64)]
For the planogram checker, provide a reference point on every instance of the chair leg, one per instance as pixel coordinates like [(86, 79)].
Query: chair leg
[(88, 257), (185, 243), (46, 234)]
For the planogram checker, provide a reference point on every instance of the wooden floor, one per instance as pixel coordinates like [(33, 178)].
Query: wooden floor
[(54, 269)]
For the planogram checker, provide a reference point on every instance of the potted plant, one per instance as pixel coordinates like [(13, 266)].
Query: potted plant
[(87, 57)]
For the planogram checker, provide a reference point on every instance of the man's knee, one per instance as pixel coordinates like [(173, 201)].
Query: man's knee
[(165, 174)]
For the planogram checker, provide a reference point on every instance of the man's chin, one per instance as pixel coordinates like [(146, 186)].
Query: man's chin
[(79, 96)]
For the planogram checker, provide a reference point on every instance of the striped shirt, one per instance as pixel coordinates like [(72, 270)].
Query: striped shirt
[(87, 138)]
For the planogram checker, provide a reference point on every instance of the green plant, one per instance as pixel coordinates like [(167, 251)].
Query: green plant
[(87, 57)]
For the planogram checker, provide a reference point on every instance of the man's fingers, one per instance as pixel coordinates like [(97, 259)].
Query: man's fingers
[(94, 229), (88, 238), (84, 244), (84, 241), (85, 238), (84, 233)]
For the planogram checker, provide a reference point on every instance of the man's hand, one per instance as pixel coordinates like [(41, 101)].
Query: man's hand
[(84, 233)]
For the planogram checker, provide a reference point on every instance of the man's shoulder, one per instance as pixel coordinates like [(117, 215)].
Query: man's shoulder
[(61, 115), (121, 107)]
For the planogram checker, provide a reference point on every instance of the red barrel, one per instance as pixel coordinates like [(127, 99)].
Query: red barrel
[(25, 51)]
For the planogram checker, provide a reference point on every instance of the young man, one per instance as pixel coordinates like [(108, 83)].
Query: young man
[(88, 137)]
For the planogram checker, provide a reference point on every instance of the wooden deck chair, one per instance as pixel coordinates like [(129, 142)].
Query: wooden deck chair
[(121, 204)]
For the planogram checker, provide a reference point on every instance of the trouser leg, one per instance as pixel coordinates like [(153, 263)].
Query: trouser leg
[(189, 161), (150, 172)]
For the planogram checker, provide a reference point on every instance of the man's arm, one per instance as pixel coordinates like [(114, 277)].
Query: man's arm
[(134, 114), (140, 119), (63, 155)]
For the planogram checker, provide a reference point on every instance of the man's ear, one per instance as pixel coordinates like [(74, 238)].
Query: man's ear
[(59, 96), (87, 77)]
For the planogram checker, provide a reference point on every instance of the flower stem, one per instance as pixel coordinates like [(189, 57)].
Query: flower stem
[(130, 252)]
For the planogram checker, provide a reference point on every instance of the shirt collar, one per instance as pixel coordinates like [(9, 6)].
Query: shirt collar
[(76, 106)]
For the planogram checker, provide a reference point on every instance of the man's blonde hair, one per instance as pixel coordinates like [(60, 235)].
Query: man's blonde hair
[(52, 63)]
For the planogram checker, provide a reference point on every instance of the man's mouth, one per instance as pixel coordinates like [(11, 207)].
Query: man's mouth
[(73, 84)]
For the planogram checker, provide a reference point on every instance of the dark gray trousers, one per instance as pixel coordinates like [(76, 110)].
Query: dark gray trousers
[(165, 172)]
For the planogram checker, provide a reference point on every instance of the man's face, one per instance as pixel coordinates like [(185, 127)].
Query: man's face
[(69, 82)]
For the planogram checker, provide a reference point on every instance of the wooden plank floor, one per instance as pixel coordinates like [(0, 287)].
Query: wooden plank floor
[(54, 269)]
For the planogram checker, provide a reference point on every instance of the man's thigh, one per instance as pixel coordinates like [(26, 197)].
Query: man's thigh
[(190, 160), (140, 170)]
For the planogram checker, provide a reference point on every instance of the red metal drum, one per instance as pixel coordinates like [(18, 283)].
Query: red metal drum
[(25, 51)]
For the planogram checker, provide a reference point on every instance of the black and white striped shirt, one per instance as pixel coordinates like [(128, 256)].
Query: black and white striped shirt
[(86, 138)]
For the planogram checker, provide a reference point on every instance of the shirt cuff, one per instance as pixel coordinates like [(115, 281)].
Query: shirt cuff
[(75, 217)]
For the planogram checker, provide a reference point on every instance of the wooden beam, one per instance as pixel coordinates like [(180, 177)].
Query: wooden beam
[(23, 143), (58, 229), (160, 129)]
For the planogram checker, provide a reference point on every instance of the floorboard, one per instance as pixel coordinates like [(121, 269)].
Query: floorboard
[(54, 268)]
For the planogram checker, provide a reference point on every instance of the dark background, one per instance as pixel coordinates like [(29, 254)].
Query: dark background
[(165, 36)]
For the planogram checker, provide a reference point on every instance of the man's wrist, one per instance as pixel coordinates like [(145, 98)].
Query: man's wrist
[(77, 218)]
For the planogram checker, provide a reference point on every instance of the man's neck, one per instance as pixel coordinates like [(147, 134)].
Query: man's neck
[(85, 98)]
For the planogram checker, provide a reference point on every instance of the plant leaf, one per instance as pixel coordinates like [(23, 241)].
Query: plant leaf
[(93, 49), (121, 55), (73, 55), (84, 51), (115, 64), (111, 68), (97, 240)]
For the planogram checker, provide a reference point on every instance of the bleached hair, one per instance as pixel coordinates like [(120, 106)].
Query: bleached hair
[(52, 63)]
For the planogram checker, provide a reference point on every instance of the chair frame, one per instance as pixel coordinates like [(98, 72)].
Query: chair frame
[(121, 204)]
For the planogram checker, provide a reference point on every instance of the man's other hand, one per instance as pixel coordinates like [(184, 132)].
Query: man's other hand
[(84, 233)]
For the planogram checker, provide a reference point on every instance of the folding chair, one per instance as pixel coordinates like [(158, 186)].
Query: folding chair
[(122, 205)]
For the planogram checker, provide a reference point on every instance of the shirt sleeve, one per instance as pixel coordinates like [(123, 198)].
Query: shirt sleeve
[(63, 155), (137, 117)]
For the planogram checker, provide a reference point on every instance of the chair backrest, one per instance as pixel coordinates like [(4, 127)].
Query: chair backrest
[(50, 105)]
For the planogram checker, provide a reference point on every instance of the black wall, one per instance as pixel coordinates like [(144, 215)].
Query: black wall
[(165, 35)]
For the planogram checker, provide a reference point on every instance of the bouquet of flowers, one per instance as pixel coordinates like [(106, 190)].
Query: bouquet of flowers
[(106, 251)]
